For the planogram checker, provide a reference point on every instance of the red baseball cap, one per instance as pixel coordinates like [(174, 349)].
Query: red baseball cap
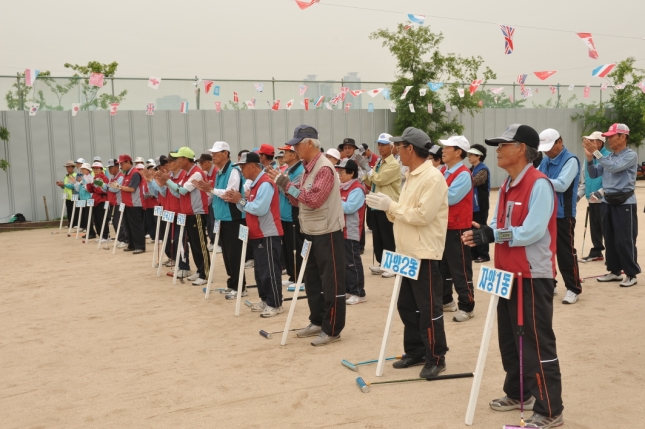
[(267, 149), (287, 147), (616, 129), (124, 158)]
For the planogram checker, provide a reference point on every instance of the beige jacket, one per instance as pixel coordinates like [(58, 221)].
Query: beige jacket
[(387, 180)]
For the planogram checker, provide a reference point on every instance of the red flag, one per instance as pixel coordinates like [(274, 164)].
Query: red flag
[(208, 84), (276, 105), (587, 40), (357, 92), (96, 79), (305, 4), (235, 97), (306, 104), (481, 103), (113, 108), (587, 90), (474, 85), (343, 91), (543, 75), (553, 89), (347, 106), (218, 106)]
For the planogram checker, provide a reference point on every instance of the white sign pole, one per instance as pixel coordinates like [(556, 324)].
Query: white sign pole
[(118, 228), (388, 325), (210, 272), (181, 220), (71, 221), (244, 236), (81, 204), (106, 209), (168, 217), (158, 214), (306, 248), (90, 203), (62, 213)]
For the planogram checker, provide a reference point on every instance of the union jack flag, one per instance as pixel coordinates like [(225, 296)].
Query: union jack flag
[(508, 33), (150, 109), (521, 79)]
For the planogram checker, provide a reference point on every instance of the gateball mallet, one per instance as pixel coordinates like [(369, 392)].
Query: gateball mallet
[(365, 385), (584, 236), (354, 366)]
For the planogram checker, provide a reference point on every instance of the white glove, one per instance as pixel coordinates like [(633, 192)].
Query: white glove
[(378, 201), (361, 161), (114, 185)]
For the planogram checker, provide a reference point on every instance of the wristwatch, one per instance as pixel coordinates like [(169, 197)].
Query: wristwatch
[(597, 154), (242, 202)]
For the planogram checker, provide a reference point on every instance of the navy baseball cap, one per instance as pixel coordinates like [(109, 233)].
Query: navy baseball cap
[(303, 132), (249, 157)]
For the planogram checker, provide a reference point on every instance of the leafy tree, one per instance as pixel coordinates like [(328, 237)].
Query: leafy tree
[(91, 97), (503, 102), (22, 95), (4, 136), (419, 61), (625, 105)]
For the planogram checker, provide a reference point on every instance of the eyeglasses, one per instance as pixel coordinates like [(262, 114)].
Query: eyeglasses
[(500, 145)]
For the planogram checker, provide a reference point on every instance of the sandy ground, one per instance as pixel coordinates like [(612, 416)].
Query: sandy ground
[(96, 340)]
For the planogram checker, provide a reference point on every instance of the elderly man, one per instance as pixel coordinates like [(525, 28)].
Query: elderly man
[(371, 157), (618, 172), (267, 153), (420, 219), (563, 170), (593, 190), (524, 230), (67, 185), (347, 148), (322, 221), (210, 169), (132, 197), (384, 179), (457, 262), (114, 197)]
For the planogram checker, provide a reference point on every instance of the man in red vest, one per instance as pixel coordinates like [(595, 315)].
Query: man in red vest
[(132, 196), (524, 230), (457, 264), (262, 208)]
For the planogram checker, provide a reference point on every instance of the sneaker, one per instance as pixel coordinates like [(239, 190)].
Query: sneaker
[(611, 277), (200, 282), (324, 339), (259, 306), (544, 422), (147, 235), (233, 294), (249, 264), (387, 274), (219, 249), (284, 271), (182, 274), (376, 270), (570, 297), (121, 245), (271, 311), (629, 281), (591, 258), (105, 240), (463, 316), (431, 370), (309, 331), (508, 404), (228, 290), (209, 247), (169, 263), (287, 282), (407, 362), (194, 277), (450, 307), (353, 299)]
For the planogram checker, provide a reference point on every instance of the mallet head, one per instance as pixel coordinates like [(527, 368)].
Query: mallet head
[(348, 364), (362, 385), (248, 303), (265, 334)]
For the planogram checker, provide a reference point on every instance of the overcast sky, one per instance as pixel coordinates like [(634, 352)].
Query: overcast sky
[(260, 39)]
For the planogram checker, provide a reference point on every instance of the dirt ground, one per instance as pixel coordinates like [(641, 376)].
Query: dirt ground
[(95, 340)]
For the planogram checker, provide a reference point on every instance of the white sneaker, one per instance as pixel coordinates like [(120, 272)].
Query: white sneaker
[(287, 282), (233, 294), (271, 311), (199, 282), (463, 316), (147, 235), (353, 300), (284, 271), (249, 264), (376, 270), (194, 277), (450, 307), (121, 245), (629, 281), (387, 274), (611, 277), (259, 306), (227, 290), (105, 240), (182, 274), (219, 249), (210, 247), (570, 297)]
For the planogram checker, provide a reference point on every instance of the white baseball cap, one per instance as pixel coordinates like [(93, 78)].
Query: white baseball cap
[(334, 153), (80, 161), (139, 159), (458, 141), (97, 158), (86, 166), (548, 138), (384, 138), (596, 135), (97, 164), (475, 152), (220, 147)]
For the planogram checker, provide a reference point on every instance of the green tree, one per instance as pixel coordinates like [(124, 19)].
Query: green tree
[(419, 62), (625, 105), (503, 102), (22, 95), (4, 136), (92, 99)]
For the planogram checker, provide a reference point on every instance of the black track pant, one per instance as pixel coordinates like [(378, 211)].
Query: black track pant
[(420, 309), (69, 207), (292, 241), (457, 269), (354, 275), (133, 222), (596, 229), (173, 245), (86, 222), (210, 225), (97, 215), (482, 250), (231, 251), (621, 230), (198, 237), (567, 255), (542, 378), (268, 274), (325, 284), (151, 222), (382, 234), (123, 233)]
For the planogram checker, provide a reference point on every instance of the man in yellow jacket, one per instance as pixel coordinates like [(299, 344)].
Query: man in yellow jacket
[(420, 223)]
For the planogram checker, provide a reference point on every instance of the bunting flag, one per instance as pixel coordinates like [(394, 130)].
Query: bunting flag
[(528, 93), (357, 92), (96, 79), (236, 99), (619, 86), (521, 79), (30, 76), (386, 94), (289, 104), (435, 86), (302, 89), (183, 107), (347, 106), (544, 75), (276, 105), (603, 87), (523, 90), (259, 87), (33, 109), (336, 99), (75, 108), (305, 4), (497, 91), (422, 91), (588, 41), (510, 98), (405, 91), (571, 87), (320, 100), (587, 91), (208, 84), (392, 107), (216, 90), (411, 106), (218, 106), (461, 92), (508, 33), (343, 92), (474, 85), (113, 108), (328, 106), (481, 103), (150, 109), (250, 104), (374, 92), (553, 89), (603, 70), (642, 86), (429, 107), (306, 103), (154, 82), (416, 19), (448, 108), (370, 107)]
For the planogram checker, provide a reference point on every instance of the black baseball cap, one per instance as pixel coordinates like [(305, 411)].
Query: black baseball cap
[(517, 133), (303, 132), (415, 137), (347, 142), (348, 165), (249, 157)]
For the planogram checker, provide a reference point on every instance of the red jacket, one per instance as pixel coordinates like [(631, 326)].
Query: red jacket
[(98, 194)]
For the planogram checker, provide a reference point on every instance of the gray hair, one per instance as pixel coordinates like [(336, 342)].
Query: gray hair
[(531, 154), (315, 142)]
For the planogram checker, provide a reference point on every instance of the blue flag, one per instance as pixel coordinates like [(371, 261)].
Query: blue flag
[(370, 107), (216, 90), (435, 86), (386, 94)]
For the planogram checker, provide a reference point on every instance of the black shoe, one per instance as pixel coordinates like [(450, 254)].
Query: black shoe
[(127, 249), (91, 237), (431, 370), (407, 362)]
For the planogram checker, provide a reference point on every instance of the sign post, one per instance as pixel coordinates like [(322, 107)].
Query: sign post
[(167, 217), (62, 213), (158, 214), (181, 221), (118, 228), (106, 208), (71, 222), (210, 272), (306, 248), (244, 236), (80, 204), (90, 204)]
